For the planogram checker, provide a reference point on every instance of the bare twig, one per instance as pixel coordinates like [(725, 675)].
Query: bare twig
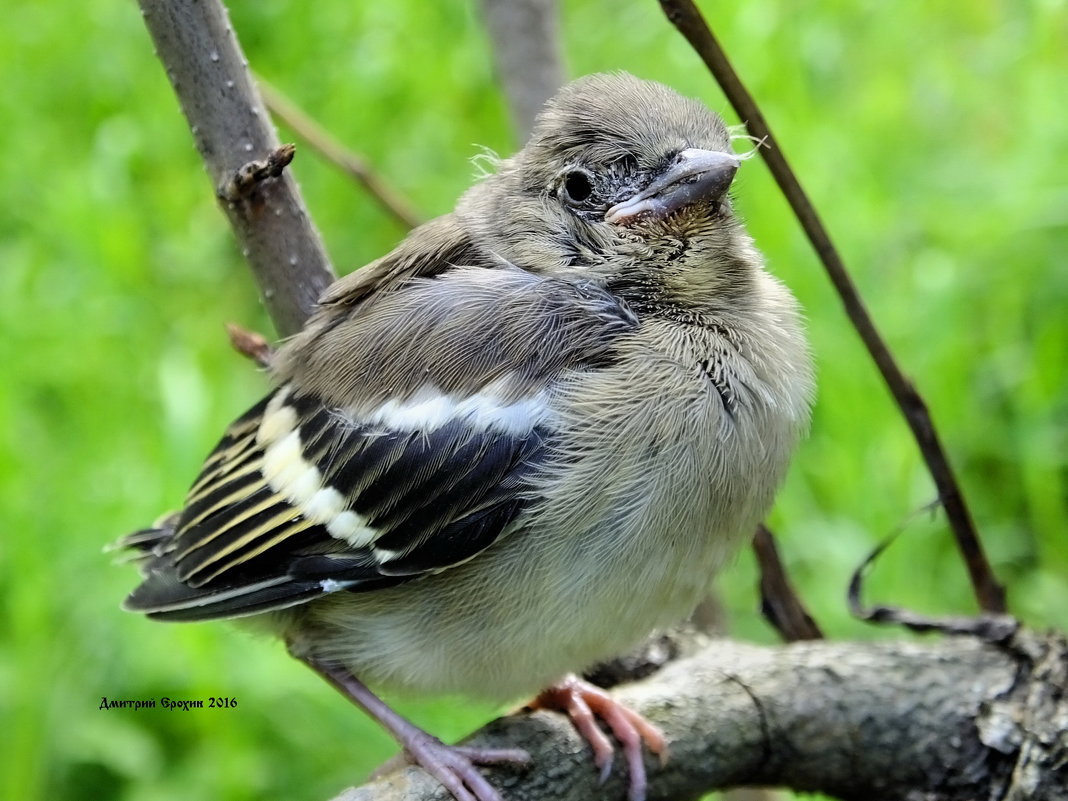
[(204, 62), (250, 344), (685, 16), (779, 601), (991, 627), (246, 180), (336, 153), (949, 719)]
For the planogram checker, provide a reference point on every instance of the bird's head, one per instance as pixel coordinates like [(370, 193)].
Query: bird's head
[(623, 182)]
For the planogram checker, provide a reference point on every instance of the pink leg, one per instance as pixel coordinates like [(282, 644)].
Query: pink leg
[(584, 703), (453, 766)]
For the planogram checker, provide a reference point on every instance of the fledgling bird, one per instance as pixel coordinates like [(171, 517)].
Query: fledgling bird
[(517, 443)]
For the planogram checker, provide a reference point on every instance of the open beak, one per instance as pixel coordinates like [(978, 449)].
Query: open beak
[(695, 175)]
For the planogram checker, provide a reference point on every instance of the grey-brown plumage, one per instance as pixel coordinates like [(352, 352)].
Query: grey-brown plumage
[(524, 438)]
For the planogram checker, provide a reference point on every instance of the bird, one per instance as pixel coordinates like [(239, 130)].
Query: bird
[(517, 443)]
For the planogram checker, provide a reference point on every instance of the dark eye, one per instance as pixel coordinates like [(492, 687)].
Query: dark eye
[(577, 186)]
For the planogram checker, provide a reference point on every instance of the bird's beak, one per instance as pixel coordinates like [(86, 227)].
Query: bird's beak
[(695, 175)]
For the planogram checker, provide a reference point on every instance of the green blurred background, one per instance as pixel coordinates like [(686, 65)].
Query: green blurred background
[(932, 137)]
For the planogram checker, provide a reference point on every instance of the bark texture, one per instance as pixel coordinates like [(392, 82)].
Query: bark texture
[(950, 719)]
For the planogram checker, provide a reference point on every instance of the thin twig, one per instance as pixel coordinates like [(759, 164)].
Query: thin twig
[(684, 15), (779, 601), (250, 344), (991, 627), (333, 151)]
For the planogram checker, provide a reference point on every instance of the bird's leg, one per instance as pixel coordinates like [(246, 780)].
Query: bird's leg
[(452, 765), (584, 703)]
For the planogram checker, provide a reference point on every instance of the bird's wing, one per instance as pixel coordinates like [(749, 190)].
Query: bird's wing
[(430, 249), (412, 455)]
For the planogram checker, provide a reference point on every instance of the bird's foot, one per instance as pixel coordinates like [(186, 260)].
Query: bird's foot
[(584, 703), (453, 765)]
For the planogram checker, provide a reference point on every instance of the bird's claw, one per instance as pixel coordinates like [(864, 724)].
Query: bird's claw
[(584, 703), (454, 765)]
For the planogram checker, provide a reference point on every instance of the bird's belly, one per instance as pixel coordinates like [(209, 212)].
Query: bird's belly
[(451, 633), (537, 604)]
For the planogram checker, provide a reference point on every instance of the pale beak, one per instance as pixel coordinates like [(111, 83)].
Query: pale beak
[(695, 175)]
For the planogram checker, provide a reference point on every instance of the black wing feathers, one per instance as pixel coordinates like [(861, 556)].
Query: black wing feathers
[(433, 499)]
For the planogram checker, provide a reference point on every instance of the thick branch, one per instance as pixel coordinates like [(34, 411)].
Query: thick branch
[(685, 16), (949, 719), (231, 128)]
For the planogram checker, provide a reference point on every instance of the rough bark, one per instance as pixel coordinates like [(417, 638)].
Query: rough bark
[(941, 719)]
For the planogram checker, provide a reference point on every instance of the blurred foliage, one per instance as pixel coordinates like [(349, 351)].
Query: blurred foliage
[(931, 136)]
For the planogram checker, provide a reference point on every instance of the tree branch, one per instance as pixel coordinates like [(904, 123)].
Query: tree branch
[(949, 719), (526, 50), (779, 602), (230, 125), (685, 16)]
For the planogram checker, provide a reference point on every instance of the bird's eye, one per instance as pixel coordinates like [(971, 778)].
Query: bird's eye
[(577, 186)]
